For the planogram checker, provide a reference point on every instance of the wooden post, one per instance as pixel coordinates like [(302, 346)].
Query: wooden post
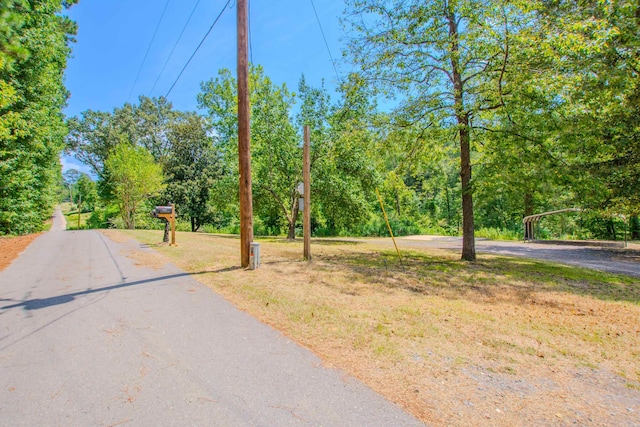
[(173, 225), (244, 136), (386, 218), (306, 177), (79, 208)]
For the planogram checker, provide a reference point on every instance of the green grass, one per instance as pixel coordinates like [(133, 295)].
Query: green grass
[(72, 220)]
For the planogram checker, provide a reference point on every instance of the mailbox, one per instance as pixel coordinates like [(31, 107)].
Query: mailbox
[(161, 210), (167, 213)]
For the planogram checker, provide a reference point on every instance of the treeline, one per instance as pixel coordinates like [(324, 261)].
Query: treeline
[(197, 156), (538, 99), (34, 47), (501, 109)]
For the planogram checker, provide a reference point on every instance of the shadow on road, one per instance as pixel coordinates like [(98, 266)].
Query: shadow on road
[(38, 303)]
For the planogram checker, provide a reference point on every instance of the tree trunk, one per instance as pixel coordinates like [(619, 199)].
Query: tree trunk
[(468, 238), (446, 192), (165, 238), (291, 234), (462, 117), (295, 208), (528, 203), (611, 229), (634, 224)]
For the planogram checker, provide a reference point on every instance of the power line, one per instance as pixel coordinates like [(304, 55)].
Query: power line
[(174, 46), (148, 48), (195, 51), (333, 63)]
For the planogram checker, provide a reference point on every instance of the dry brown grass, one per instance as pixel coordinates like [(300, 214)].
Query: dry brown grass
[(499, 342)]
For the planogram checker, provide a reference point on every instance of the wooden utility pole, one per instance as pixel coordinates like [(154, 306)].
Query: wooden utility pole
[(306, 177), (244, 136), (79, 207)]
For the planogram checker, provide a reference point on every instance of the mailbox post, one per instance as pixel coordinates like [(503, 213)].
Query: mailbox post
[(168, 213)]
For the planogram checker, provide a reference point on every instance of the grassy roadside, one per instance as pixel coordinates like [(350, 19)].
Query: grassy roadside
[(70, 212), (503, 341)]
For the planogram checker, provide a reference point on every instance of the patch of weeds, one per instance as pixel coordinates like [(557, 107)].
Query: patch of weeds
[(586, 364), (408, 311), (382, 329), (503, 370), (361, 342), (499, 344), (388, 351)]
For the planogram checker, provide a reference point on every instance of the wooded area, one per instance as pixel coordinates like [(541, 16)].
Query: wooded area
[(34, 46), (466, 115)]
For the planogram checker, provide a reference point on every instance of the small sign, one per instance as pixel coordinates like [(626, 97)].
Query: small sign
[(301, 189), (301, 204)]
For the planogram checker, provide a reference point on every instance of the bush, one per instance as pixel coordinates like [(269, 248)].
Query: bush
[(498, 234), (102, 217)]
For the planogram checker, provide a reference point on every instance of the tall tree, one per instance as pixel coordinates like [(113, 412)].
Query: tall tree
[(135, 177), (86, 192), (11, 21), (276, 159), (446, 57), (596, 47), (34, 46), (192, 168), (94, 134), (343, 172)]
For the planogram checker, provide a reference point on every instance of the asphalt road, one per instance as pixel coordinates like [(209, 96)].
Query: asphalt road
[(89, 338), (613, 260)]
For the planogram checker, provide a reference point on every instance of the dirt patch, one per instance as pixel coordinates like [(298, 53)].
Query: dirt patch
[(143, 257), (147, 259), (116, 236), (12, 247)]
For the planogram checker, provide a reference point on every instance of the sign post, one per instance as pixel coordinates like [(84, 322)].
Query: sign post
[(306, 177)]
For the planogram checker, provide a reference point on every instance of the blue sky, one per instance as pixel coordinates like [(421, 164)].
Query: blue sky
[(113, 36)]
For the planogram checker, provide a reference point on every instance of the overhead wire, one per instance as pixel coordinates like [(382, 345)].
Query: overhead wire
[(197, 48), (333, 63), (148, 49), (174, 46)]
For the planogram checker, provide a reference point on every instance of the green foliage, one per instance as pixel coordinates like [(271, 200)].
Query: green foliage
[(540, 98), (94, 134), (192, 168), (11, 22), (276, 159), (34, 46), (86, 193), (339, 188), (498, 234), (447, 59), (135, 177), (103, 217)]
